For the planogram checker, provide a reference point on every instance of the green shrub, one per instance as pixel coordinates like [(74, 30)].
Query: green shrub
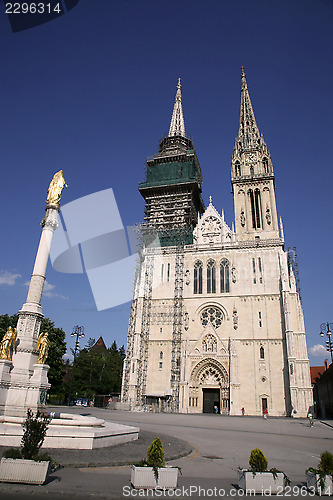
[(35, 428), (155, 455), (155, 458), (258, 461), (12, 453), (325, 468), (326, 463)]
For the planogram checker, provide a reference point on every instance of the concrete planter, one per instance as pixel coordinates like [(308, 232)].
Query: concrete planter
[(260, 482), (313, 484), (143, 477), (23, 471)]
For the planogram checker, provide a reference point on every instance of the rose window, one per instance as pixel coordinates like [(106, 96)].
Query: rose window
[(211, 314)]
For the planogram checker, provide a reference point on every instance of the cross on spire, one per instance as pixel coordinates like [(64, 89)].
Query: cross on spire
[(177, 125)]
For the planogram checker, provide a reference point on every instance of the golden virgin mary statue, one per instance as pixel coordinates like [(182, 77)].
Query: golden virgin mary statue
[(55, 188)]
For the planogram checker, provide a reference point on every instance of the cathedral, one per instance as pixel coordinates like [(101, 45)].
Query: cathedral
[(216, 322)]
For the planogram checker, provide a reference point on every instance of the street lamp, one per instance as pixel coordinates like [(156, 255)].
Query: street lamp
[(78, 332), (326, 328)]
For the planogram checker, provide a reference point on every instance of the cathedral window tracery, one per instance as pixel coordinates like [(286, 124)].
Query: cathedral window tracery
[(255, 200), (209, 343), (254, 270), (211, 276), (197, 277), (224, 276), (213, 315)]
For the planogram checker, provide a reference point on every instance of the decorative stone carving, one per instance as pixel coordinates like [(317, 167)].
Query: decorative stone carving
[(211, 228), (209, 343), (186, 321), (233, 274), (268, 216), (242, 218), (235, 317), (187, 277)]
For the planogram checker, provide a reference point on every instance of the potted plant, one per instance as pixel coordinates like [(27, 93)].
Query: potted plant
[(258, 479), (152, 472), (27, 465), (320, 479)]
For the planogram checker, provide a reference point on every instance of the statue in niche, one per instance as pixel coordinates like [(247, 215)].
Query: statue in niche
[(43, 348), (242, 218), (233, 274), (7, 342), (186, 321), (235, 318), (268, 216), (187, 277), (55, 188)]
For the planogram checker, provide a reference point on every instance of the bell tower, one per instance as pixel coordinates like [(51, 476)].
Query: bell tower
[(172, 189), (252, 177)]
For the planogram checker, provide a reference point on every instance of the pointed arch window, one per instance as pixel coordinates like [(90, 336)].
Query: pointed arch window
[(238, 169), (197, 277), (224, 276), (209, 343), (211, 276), (262, 353), (255, 201), (258, 207), (265, 163)]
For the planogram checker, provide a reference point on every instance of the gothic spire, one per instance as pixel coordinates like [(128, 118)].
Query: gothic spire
[(177, 125), (248, 132)]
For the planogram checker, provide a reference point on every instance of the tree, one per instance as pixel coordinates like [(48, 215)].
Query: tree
[(56, 351), (98, 371)]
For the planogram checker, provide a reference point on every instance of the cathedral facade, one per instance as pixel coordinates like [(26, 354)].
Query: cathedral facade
[(216, 322)]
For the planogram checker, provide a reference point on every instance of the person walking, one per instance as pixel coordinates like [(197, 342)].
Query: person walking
[(243, 411), (265, 414), (310, 417)]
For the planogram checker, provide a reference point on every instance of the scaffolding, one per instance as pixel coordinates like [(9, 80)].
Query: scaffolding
[(177, 325)]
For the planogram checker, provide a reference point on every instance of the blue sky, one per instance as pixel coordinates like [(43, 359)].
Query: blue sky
[(92, 93)]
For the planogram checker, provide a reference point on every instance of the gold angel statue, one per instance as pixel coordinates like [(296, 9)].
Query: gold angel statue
[(55, 188), (7, 341), (43, 348)]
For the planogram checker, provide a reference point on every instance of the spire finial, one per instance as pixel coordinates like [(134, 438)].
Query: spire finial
[(248, 132), (177, 125), (210, 200)]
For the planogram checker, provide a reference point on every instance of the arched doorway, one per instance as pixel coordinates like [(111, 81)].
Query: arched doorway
[(210, 380)]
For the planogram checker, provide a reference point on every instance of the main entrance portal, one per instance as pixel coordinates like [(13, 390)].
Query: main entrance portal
[(209, 387), (211, 400)]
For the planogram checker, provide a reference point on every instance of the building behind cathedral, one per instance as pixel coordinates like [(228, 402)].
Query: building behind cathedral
[(216, 321)]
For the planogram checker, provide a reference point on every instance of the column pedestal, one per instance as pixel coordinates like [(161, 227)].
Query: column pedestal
[(5, 377), (23, 395)]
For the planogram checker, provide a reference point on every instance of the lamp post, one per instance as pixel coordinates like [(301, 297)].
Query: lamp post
[(326, 328), (78, 332)]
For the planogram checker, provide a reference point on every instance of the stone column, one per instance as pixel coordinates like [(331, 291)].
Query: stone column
[(27, 390)]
